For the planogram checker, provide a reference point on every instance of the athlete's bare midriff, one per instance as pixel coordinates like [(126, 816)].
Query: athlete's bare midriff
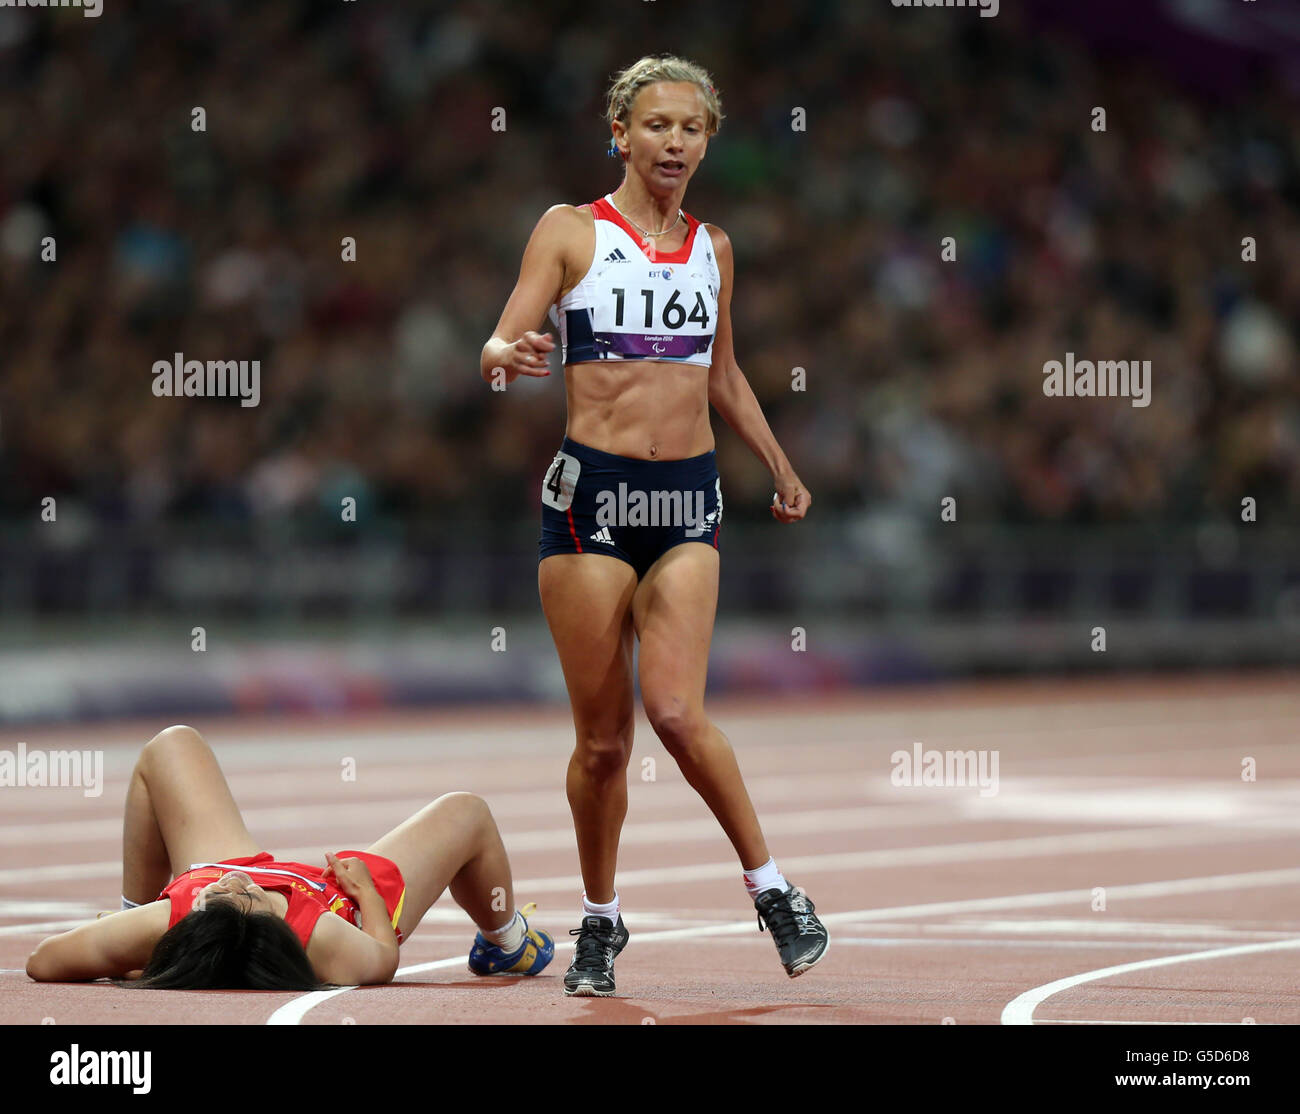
[(646, 409)]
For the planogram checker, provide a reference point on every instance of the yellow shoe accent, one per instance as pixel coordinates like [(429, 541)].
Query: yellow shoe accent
[(527, 959), (531, 939)]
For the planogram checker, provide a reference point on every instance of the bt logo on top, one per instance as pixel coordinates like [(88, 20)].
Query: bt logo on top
[(666, 273)]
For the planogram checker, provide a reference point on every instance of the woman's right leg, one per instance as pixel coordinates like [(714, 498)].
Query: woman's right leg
[(587, 600), (179, 810)]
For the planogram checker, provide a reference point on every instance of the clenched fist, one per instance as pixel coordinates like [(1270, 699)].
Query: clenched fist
[(351, 875)]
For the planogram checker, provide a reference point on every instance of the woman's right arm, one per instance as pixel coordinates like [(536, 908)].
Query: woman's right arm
[(105, 948), (515, 346)]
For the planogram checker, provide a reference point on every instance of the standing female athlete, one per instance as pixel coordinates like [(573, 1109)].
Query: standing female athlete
[(644, 319), (235, 918)]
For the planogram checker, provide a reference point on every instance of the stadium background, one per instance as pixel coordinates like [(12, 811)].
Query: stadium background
[(924, 378)]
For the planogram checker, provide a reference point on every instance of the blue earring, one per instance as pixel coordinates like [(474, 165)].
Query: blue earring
[(613, 148)]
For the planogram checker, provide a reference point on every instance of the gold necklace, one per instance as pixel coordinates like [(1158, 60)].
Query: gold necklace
[(638, 227)]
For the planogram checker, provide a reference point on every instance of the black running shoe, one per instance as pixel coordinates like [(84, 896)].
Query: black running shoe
[(801, 939), (591, 974)]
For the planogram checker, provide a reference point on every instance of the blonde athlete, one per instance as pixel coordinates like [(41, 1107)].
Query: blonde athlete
[(640, 291)]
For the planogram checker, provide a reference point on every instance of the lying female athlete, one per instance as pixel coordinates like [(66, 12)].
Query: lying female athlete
[(235, 918), (641, 293)]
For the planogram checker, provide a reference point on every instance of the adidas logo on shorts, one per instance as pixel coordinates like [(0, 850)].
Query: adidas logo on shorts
[(602, 535)]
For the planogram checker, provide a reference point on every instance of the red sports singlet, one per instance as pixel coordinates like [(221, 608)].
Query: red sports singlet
[(309, 895)]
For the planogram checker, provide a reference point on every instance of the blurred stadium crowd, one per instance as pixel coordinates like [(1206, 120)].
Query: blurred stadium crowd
[(924, 377)]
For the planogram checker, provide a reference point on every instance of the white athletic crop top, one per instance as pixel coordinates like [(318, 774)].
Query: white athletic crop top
[(629, 306)]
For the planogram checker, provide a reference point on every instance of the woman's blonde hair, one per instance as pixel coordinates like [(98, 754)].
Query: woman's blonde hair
[(664, 67)]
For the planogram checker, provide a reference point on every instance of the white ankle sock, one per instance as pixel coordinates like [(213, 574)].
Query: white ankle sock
[(765, 877), (510, 936), (129, 904), (595, 909)]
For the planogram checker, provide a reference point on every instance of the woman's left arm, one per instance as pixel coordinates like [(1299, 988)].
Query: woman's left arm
[(107, 948), (731, 396)]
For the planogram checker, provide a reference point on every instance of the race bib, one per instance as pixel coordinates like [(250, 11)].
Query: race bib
[(561, 479), (661, 312)]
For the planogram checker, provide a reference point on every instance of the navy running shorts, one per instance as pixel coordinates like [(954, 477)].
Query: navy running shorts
[(636, 510)]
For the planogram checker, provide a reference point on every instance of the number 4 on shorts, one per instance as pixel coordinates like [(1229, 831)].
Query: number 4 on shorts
[(561, 479)]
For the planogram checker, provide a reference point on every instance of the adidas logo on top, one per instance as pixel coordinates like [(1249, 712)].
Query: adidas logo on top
[(616, 256), (602, 535)]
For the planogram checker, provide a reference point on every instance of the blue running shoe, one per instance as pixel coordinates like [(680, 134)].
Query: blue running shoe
[(537, 950)]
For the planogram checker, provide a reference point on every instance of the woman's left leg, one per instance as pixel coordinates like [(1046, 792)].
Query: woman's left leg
[(673, 611), (452, 843)]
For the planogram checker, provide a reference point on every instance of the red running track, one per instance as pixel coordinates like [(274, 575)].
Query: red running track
[(1122, 834)]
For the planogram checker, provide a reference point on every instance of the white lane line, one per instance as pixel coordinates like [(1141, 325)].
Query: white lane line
[(877, 805), (858, 721), (1081, 1021), (648, 833), (392, 808), (982, 942), (1285, 877), (292, 1012), (1020, 1010), (1102, 925), (1075, 843), (1160, 801), (44, 928), (1021, 847), (46, 907)]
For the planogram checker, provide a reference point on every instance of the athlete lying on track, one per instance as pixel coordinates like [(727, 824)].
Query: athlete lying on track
[(233, 917)]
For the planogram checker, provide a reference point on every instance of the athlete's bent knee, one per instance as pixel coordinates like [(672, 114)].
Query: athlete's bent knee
[(678, 726), (169, 738), (470, 805)]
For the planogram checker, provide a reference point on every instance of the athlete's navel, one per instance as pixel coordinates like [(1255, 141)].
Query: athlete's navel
[(654, 449)]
